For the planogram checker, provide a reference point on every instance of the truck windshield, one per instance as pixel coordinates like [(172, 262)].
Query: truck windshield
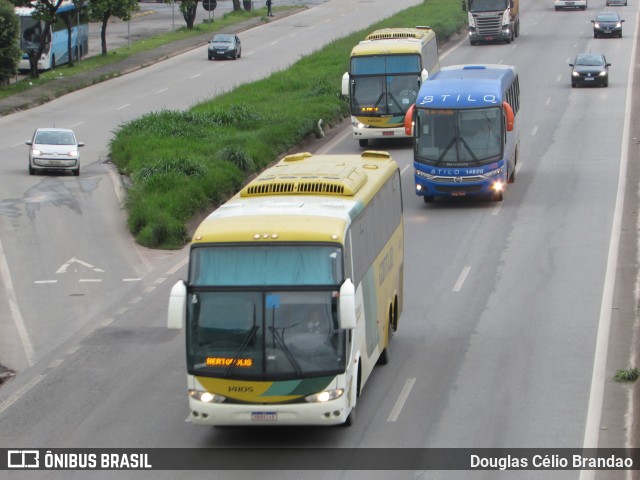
[(488, 5)]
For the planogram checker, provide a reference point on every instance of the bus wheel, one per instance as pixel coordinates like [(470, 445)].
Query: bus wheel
[(385, 356), (53, 62), (364, 143), (351, 418), (428, 199)]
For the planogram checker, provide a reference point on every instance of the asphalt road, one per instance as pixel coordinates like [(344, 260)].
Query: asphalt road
[(517, 314)]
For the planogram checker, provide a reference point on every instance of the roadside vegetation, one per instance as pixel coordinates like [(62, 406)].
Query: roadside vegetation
[(183, 164)]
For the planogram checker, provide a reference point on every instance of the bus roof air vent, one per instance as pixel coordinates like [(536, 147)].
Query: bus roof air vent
[(295, 157), (300, 179), (376, 154), (396, 33)]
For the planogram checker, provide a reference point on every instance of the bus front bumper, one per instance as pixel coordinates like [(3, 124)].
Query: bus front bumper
[(333, 412), (475, 186), (362, 132)]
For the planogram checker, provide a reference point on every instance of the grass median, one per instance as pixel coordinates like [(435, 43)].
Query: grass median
[(184, 163)]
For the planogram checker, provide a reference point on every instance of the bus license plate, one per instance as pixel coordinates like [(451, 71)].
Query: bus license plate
[(264, 416), (458, 194), (388, 134)]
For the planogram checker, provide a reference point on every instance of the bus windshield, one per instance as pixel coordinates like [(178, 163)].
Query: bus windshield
[(459, 137), (384, 85), (264, 335), (265, 312)]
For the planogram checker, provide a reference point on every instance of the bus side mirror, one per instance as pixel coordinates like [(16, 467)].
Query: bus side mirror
[(177, 310), (345, 84), (408, 121), (347, 305), (510, 117), (424, 75)]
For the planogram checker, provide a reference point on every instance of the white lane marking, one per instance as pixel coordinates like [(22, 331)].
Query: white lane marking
[(273, 43), (131, 279), (161, 91), (106, 322), (534, 131), (159, 280), (149, 289), (121, 310), (18, 144), (135, 300), (335, 141), (496, 209), (558, 78), (178, 266), (463, 276), (195, 76), (547, 102), (56, 363), (20, 392), (123, 106), (90, 280), (45, 281), (406, 167), (599, 374), (65, 266), (73, 125), (402, 398), (5, 274)]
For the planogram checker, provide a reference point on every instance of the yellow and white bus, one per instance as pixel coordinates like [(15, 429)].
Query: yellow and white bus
[(385, 73), (293, 293)]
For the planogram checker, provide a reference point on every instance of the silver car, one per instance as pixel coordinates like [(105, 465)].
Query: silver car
[(616, 2), (54, 149)]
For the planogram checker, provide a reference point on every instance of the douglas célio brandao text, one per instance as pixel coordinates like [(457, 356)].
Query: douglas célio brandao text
[(550, 462)]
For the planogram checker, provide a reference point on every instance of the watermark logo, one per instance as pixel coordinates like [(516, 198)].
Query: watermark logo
[(23, 459)]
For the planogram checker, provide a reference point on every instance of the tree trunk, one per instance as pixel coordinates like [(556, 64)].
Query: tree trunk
[(236, 6), (189, 14), (67, 23), (103, 31)]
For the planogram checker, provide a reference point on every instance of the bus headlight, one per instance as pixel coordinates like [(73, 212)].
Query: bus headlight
[(498, 186), (206, 397), (325, 396), (493, 173)]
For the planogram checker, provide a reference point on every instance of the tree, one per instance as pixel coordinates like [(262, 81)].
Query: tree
[(102, 10), (45, 11), (189, 9), (9, 40), (236, 6)]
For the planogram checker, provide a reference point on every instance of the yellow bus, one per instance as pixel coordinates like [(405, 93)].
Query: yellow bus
[(293, 293), (385, 73)]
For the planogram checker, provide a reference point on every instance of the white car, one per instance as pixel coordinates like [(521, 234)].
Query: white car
[(561, 4), (54, 149)]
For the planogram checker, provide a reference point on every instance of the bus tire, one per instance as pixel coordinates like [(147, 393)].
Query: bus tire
[(364, 142), (385, 356), (351, 418), (53, 62)]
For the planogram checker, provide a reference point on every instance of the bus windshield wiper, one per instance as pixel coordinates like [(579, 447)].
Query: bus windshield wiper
[(451, 143), (243, 347), (278, 336)]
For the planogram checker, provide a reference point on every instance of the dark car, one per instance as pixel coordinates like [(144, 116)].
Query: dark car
[(225, 46), (54, 149), (607, 24), (590, 69)]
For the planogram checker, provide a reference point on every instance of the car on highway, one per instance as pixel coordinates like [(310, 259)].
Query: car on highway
[(54, 149), (590, 69), (607, 24), (578, 4), (225, 46)]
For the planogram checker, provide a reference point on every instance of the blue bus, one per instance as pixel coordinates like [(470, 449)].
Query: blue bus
[(465, 129), (56, 50)]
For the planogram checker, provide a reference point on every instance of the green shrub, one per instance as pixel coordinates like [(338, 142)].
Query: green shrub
[(183, 163)]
